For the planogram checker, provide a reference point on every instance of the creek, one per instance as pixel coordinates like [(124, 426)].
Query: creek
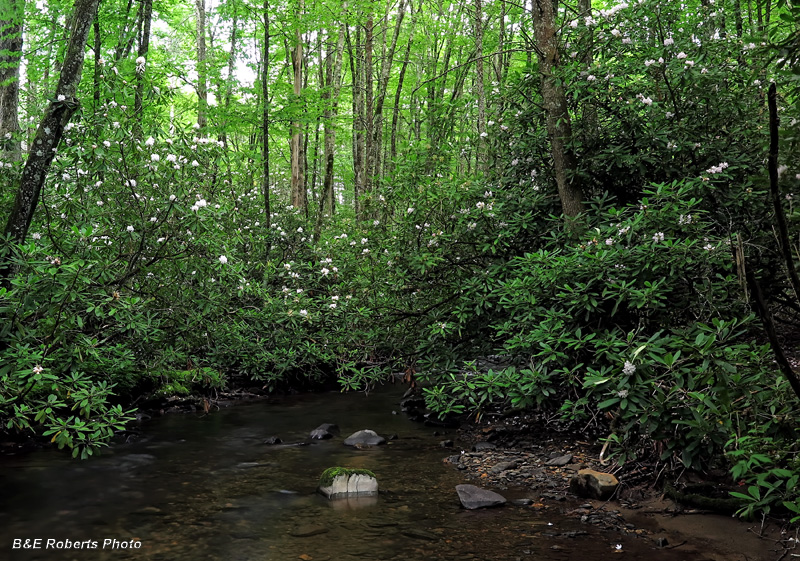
[(208, 488)]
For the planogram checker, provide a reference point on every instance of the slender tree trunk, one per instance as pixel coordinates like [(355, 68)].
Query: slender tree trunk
[(51, 127), (265, 121), (775, 192), (399, 91), (202, 75), (230, 80), (383, 86), (480, 91), (759, 16), (144, 45), (559, 127), (359, 123), (369, 105), (128, 32), (333, 84), (298, 189), (11, 18), (737, 15)]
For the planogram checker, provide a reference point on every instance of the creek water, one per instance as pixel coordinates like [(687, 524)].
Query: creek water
[(206, 487)]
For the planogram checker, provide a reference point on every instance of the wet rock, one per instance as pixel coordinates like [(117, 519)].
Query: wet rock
[(339, 482), (412, 403), (473, 497), (593, 484), (325, 431), (560, 460), (272, 440), (364, 438), (522, 502), (483, 446), (446, 444)]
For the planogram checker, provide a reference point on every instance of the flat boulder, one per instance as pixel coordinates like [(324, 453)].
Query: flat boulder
[(560, 460), (593, 484), (364, 438), (340, 483), (473, 497), (324, 431)]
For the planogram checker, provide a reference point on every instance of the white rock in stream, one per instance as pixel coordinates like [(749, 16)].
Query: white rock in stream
[(350, 485)]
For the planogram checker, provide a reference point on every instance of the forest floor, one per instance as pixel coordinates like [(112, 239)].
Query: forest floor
[(523, 457)]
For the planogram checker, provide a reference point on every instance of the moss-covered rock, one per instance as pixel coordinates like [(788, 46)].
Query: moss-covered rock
[(330, 474), (337, 482)]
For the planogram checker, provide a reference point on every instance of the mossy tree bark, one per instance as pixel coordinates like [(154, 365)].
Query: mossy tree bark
[(51, 128), (559, 127), (11, 17)]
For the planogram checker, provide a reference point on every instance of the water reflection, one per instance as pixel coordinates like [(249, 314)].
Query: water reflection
[(208, 488)]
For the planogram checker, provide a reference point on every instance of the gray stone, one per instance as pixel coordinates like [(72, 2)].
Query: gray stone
[(593, 484), (502, 466), (560, 460), (364, 438), (325, 431), (483, 446), (473, 497)]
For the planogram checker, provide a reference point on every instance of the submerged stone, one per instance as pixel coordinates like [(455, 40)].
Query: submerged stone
[(473, 497), (325, 431)]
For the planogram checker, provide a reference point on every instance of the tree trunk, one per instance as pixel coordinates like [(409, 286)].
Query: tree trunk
[(297, 186), (202, 75), (369, 104), (11, 17), (383, 87), (144, 45), (265, 121), (128, 33), (398, 92), (229, 85), (480, 91), (737, 15), (333, 85), (358, 122), (51, 127), (559, 128)]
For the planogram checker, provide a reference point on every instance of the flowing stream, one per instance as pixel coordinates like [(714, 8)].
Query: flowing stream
[(207, 488)]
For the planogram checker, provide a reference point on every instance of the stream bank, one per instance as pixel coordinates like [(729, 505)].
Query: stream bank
[(518, 452), (206, 486)]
